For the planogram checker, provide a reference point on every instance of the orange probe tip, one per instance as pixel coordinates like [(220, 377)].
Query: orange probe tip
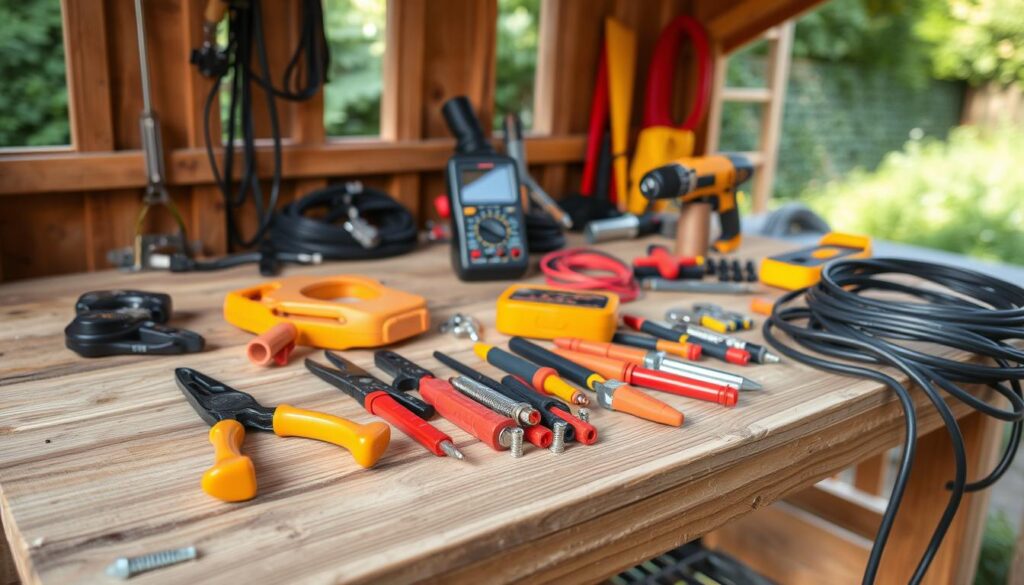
[(563, 342), (630, 400), (693, 352)]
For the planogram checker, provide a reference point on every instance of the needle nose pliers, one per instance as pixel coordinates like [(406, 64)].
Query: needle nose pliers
[(230, 412)]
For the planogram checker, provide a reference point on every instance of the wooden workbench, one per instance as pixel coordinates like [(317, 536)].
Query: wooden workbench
[(101, 458)]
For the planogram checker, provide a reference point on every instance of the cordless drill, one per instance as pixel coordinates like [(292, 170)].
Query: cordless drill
[(712, 179)]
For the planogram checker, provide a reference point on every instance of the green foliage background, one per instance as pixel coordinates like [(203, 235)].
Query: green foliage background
[(33, 91)]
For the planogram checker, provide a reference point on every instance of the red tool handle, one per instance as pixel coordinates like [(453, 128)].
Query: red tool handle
[(467, 414), (586, 433), (698, 389), (381, 404)]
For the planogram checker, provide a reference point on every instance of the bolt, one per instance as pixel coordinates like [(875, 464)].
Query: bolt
[(583, 414), (521, 412), (558, 443), (127, 567), (517, 442)]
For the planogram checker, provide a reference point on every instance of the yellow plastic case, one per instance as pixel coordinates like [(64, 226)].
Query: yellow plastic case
[(802, 268), (330, 312), (547, 312)]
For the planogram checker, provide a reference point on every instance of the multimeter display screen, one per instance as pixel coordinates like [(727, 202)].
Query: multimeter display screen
[(481, 186)]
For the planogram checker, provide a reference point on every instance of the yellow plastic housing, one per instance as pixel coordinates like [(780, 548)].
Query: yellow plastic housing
[(802, 268), (546, 312), (330, 312), (233, 476)]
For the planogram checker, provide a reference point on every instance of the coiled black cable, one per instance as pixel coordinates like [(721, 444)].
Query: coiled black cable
[(981, 315), (315, 224)]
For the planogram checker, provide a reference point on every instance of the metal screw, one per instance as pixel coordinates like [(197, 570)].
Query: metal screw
[(127, 567), (517, 442), (583, 414), (521, 412), (558, 443)]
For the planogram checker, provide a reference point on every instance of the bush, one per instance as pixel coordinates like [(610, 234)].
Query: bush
[(965, 195)]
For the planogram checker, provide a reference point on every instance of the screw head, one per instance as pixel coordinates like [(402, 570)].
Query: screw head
[(119, 569)]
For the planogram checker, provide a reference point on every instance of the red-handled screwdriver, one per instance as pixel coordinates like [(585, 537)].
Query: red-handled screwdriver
[(488, 426), (378, 398), (730, 354), (640, 376)]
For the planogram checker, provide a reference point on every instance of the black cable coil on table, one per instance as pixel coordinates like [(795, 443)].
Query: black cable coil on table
[(976, 313), (294, 230)]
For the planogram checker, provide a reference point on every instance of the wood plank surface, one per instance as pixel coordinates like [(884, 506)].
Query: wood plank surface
[(102, 457)]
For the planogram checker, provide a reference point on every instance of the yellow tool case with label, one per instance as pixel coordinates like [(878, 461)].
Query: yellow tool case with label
[(547, 312)]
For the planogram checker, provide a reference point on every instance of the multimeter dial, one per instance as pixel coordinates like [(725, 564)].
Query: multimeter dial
[(492, 229)]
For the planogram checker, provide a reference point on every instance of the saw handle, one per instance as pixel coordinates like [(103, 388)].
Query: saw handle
[(233, 476), (366, 442)]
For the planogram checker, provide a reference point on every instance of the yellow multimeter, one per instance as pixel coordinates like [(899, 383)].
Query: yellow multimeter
[(802, 268), (547, 312)]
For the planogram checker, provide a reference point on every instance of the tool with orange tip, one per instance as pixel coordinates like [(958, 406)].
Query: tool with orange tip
[(229, 412), (380, 399), (686, 350), (274, 345), (640, 376), (730, 354), (631, 400), (488, 426), (657, 360), (544, 379)]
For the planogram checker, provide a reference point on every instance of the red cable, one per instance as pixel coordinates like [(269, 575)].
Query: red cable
[(598, 122), (575, 269), (661, 75)]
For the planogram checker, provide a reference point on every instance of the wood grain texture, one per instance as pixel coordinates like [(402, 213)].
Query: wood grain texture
[(103, 457)]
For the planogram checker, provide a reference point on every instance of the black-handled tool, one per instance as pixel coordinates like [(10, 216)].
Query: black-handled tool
[(565, 368), (353, 378), (406, 374)]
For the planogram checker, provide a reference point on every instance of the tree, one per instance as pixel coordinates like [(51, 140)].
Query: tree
[(976, 40), (33, 94)]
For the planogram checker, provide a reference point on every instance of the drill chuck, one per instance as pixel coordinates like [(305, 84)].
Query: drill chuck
[(668, 182)]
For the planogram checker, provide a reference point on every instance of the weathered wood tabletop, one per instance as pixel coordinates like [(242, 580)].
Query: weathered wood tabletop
[(101, 458)]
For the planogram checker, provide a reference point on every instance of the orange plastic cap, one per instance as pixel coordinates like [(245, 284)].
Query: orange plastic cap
[(630, 400), (761, 306), (275, 345)]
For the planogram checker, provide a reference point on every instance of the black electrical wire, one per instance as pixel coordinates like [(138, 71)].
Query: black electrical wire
[(246, 43), (975, 313), (543, 233), (316, 224)]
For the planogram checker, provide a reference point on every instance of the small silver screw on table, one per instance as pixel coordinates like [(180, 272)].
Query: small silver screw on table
[(127, 567)]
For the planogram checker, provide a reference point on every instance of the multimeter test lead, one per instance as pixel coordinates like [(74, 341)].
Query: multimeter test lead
[(729, 354), (544, 379), (612, 393), (631, 373), (657, 360), (685, 368)]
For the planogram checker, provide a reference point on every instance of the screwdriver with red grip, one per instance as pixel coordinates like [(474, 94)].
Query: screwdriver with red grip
[(488, 426), (551, 409), (378, 398), (716, 350), (633, 374)]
